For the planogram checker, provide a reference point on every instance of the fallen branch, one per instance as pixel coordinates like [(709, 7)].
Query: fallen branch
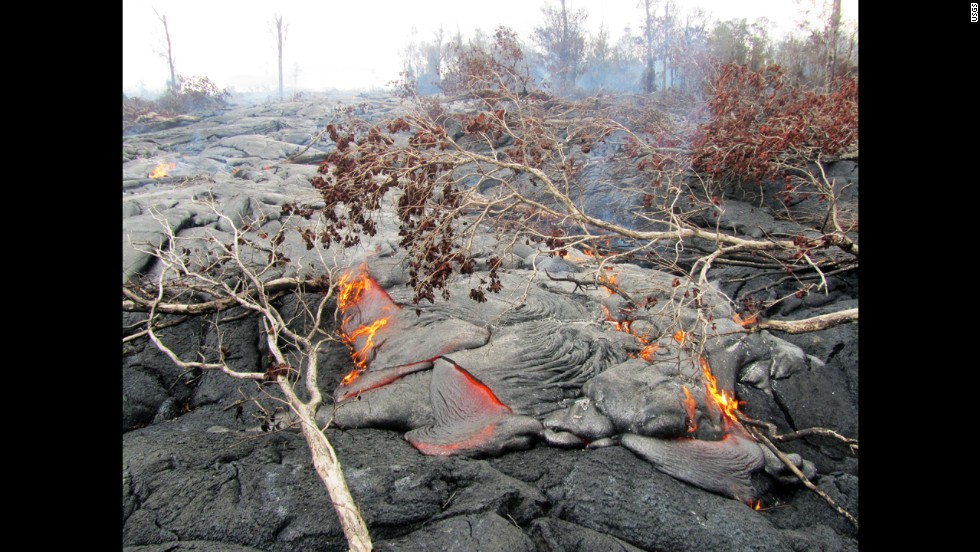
[(814, 324), (294, 158), (160, 326), (775, 436), (136, 303), (796, 471)]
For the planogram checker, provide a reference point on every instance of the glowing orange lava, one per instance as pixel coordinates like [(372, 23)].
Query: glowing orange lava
[(160, 170), (726, 403), (689, 404), (679, 336)]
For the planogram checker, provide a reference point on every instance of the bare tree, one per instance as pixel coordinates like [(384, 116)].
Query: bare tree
[(666, 24), (819, 50), (204, 277), (562, 37), (169, 56), (833, 31), (649, 29), (280, 33)]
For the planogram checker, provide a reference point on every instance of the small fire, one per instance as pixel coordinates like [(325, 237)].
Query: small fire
[(679, 336), (726, 403), (352, 288), (583, 255), (351, 376), (745, 322), (360, 355), (160, 170), (648, 350), (689, 404), (757, 506)]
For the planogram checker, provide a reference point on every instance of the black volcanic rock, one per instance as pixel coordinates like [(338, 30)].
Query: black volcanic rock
[(485, 532)]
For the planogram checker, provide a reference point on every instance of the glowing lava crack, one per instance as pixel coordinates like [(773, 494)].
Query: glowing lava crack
[(469, 419)]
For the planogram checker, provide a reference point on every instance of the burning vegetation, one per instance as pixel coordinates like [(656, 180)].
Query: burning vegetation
[(365, 308), (160, 170)]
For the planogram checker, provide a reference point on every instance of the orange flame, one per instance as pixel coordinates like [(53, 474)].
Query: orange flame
[(351, 288), (745, 322), (360, 355), (647, 352), (689, 404), (679, 336), (726, 403), (351, 376), (160, 170), (757, 505)]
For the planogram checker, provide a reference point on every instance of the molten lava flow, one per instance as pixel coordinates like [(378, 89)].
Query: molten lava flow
[(726, 403), (448, 449), (689, 404), (160, 170), (481, 396)]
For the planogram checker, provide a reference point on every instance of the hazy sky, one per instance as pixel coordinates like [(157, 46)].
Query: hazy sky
[(353, 43)]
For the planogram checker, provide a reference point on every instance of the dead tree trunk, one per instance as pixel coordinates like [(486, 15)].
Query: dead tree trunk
[(279, 39), (172, 85), (650, 75), (833, 30), (663, 75)]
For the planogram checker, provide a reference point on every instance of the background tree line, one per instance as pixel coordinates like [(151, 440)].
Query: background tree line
[(669, 50)]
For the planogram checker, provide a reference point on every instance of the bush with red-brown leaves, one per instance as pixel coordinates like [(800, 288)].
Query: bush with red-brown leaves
[(759, 126)]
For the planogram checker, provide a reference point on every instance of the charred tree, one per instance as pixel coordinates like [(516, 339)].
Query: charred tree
[(563, 40), (649, 22), (280, 37), (833, 30), (666, 45), (172, 84)]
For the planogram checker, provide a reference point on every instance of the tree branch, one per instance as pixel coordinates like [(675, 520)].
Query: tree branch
[(815, 324)]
